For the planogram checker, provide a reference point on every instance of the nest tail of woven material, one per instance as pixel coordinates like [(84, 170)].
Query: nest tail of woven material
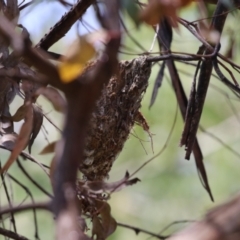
[(114, 116)]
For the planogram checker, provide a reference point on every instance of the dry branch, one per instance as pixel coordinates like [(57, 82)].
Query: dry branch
[(63, 26), (12, 235), (221, 223)]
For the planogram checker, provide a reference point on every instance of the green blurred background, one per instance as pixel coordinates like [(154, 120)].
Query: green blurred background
[(170, 189)]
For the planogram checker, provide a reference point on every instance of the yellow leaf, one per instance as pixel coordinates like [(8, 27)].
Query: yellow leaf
[(72, 65)]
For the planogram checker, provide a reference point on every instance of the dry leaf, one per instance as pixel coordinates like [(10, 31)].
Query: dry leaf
[(54, 97), (37, 124), (22, 139), (20, 113), (49, 148), (109, 224), (72, 65), (158, 9), (97, 229)]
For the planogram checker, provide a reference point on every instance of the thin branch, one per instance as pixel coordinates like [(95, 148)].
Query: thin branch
[(223, 78), (193, 29), (31, 196), (174, 223), (9, 201), (63, 26), (162, 149), (12, 235), (16, 209), (138, 230), (83, 93), (25, 155), (32, 180), (220, 141)]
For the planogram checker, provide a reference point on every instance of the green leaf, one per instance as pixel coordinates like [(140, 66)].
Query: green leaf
[(132, 9)]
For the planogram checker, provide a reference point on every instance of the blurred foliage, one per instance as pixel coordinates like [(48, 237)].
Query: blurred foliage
[(170, 189)]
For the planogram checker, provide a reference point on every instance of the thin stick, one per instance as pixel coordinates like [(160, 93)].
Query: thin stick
[(17, 209), (11, 234), (31, 196), (138, 230), (9, 201), (32, 180)]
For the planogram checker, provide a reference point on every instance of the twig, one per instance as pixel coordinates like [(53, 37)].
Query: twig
[(219, 140), (162, 149), (174, 223), (138, 230), (63, 26), (31, 158), (32, 180), (223, 78), (12, 235), (9, 201), (31, 196), (17, 209)]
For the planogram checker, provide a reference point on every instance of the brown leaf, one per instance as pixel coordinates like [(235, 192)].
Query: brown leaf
[(37, 124), (158, 9), (54, 97), (108, 222), (22, 139), (20, 113), (49, 148), (97, 229)]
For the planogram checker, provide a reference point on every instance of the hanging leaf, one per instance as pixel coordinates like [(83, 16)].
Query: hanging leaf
[(20, 113), (54, 97), (49, 148), (157, 84), (72, 65), (37, 124), (97, 229), (108, 223), (22, 139)]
